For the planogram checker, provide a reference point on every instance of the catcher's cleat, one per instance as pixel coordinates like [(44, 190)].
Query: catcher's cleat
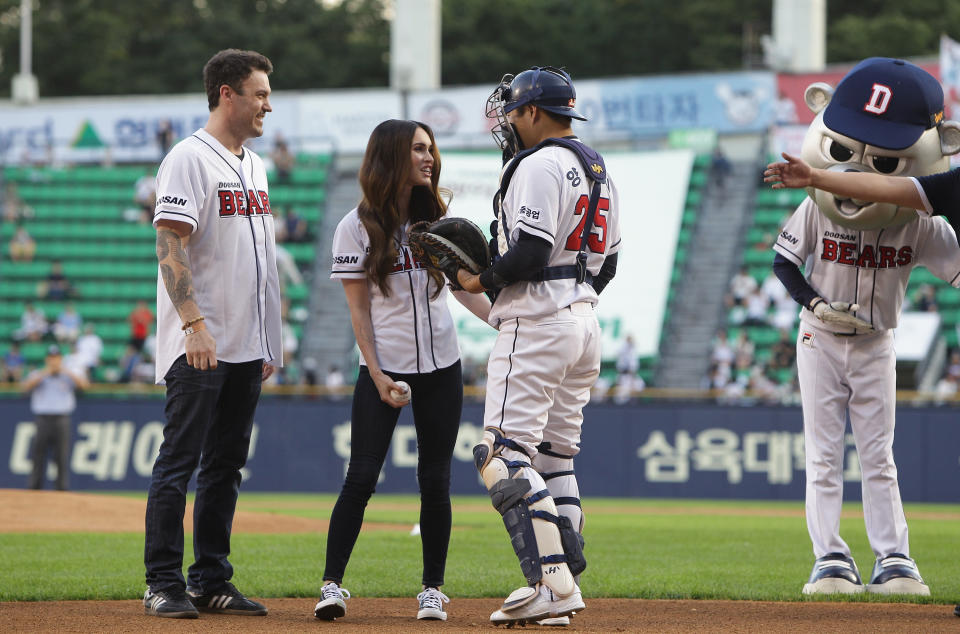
[(834, 573), (956, 610), (332, 603), (225, 600), (532, 604), (171, 604), (897, 574)]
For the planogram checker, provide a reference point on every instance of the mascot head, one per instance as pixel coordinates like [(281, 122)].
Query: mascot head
[(885, 116)]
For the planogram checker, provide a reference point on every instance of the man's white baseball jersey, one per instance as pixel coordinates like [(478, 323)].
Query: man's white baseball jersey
[(531, 204), (407, 320), (232, 251), (870, 268)]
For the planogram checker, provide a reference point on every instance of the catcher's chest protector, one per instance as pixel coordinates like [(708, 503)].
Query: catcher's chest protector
[(593, 166)]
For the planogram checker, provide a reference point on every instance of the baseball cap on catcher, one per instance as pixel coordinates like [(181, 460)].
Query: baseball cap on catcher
[(54, 351), (885, 102)]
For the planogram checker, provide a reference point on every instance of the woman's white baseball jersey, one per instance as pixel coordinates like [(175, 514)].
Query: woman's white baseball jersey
[(548, 198), (413, 333), (232, 251), (870, 268)]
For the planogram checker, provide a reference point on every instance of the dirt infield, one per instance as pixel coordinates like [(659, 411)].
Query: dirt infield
[(47, 511), (398, 615)]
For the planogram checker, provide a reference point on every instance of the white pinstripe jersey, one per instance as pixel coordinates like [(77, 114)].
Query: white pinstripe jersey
[(870, 268), (413, 332), (548, 198), (232, 251)]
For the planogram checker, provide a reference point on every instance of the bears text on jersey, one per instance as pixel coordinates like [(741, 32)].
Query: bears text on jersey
[(870, 257), (234, 203)]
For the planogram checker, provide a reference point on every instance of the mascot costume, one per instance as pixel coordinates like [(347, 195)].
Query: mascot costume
[(885, 116)]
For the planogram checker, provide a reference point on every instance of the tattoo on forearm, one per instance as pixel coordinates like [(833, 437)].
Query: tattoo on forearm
[(174, 268)]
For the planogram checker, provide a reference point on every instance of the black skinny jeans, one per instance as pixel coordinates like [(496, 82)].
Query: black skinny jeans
[(437, 403)]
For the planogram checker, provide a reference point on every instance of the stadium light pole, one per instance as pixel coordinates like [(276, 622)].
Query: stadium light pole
[(24, 88)]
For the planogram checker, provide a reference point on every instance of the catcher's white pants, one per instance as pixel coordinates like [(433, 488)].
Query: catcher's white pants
[(855, 374), (539, 377)]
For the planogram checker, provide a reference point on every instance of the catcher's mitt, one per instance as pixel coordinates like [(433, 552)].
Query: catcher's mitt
[(450, 244)]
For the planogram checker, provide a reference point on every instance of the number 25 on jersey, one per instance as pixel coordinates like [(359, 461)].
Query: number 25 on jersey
[(597, 240)]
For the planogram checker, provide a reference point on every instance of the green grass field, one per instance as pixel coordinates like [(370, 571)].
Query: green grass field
[(662, 549)]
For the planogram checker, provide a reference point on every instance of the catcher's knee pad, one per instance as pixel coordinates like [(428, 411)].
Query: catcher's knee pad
[(529, 515)]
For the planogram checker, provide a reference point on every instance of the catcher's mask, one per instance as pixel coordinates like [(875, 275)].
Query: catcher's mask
[(546, 87)]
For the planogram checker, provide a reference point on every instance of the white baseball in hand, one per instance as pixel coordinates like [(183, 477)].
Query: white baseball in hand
[(403, 394)]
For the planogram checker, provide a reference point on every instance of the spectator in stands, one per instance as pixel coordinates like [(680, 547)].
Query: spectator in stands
[(52, 400), (757, 304), (56, 286), (295, 227), (627, 362), (66, 328), (953, 365), (783, 353), (287, 269), (145, 198), (743, 347), (141, 322), (283, 160), (742, 285), (14, 209), (720, 167), (128, 363), (309, 366), (946, 389), (89, 348), (13, 363), (165, 139), (926, 299), (33, 324), (334, 382), (22, 245), (723, 352)]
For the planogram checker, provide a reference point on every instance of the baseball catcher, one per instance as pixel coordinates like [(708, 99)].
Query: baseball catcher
[(450, 244)]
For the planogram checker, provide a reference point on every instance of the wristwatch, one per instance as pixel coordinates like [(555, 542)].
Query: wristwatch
[(189, 330)]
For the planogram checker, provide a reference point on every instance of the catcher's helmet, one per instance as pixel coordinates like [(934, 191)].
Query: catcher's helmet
[(545, 87)]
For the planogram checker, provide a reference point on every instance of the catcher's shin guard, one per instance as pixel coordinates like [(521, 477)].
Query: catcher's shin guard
[(557, 471), (529, 514)]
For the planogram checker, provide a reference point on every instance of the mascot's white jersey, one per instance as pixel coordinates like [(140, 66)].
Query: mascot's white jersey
[(870, 268), (531, 205), (232, 251), (410, 319)]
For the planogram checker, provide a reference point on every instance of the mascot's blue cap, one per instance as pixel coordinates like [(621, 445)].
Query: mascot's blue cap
[(885, 102)]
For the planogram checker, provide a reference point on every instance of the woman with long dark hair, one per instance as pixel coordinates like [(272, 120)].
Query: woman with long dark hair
[(398, 309)]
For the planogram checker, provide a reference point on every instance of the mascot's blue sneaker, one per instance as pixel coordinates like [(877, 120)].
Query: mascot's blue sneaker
[(897, 574), (834, 573)]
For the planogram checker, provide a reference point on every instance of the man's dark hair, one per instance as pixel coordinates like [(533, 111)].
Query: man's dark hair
[(231, 67)]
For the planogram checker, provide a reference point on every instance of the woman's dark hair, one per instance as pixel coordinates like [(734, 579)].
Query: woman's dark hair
[(383, 176)]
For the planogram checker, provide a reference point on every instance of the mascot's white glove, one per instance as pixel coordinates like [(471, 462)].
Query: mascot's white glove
[(840, 314)]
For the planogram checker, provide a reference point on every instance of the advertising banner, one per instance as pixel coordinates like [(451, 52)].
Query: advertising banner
[(645, 450)]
